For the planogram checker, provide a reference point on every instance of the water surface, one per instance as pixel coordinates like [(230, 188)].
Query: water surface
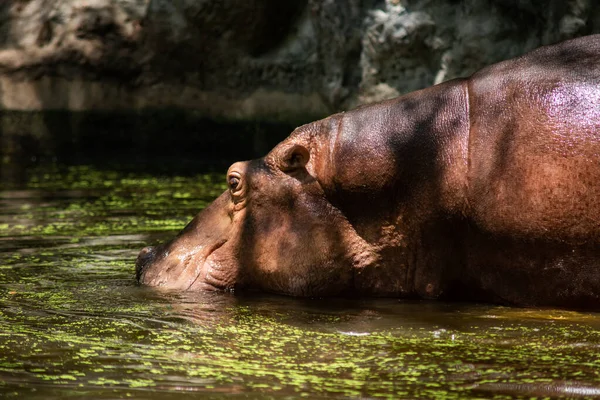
[(73, 323)]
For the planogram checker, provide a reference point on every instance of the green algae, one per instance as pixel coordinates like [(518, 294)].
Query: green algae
[(73, 323), (268, 354), (81, 201)]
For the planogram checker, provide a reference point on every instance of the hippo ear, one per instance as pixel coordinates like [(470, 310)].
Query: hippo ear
[(293, 158)]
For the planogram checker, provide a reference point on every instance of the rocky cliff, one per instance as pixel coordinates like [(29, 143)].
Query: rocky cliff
[(68, 66), (248, 59)]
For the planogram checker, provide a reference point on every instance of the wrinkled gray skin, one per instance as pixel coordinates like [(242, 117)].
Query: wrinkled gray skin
[(485, 188)]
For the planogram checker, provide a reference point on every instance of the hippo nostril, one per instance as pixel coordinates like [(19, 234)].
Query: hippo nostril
[(143, 260)]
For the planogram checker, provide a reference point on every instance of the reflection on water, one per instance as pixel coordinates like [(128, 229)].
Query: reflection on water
[(73, 323)]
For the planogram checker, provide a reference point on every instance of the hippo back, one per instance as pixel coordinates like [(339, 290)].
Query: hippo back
[(534, 173)]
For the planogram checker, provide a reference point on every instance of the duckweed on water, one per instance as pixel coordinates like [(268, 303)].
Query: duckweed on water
[(81, 201), (74, 324)]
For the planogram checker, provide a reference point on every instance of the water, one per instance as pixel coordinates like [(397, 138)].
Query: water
[(73, 323)]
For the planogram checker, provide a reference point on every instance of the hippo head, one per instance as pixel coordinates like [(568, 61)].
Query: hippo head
[(360, 202), (274, 229)]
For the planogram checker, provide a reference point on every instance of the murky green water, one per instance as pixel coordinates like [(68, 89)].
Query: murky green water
[(73, 323)]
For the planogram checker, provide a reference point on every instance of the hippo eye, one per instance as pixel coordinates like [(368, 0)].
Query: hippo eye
[(234, 182)]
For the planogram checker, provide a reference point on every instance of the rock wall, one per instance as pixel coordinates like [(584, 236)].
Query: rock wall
[(149, 78), (290, 60)]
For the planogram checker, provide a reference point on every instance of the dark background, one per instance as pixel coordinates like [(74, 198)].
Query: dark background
[(197, 84)]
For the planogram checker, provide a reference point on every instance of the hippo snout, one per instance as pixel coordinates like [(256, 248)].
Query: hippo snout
[(144, 259)]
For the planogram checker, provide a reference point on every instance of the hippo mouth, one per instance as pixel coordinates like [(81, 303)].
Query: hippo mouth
[(197, 269), (212, 271)]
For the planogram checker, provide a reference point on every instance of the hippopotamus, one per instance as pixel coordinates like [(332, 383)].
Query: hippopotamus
[(484, 188)]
